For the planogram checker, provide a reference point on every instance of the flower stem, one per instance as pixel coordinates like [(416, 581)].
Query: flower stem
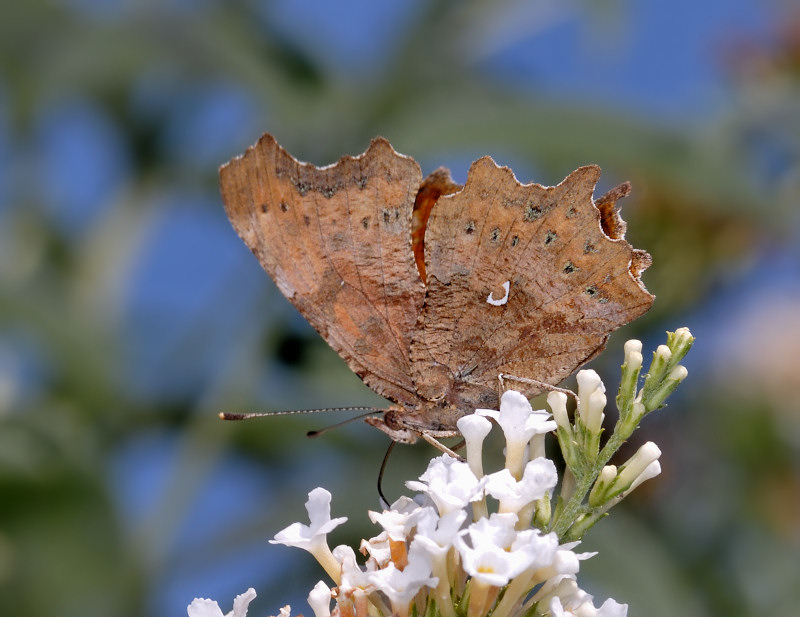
[(515, 590), (479, 598), (574, 507), (326, 559)]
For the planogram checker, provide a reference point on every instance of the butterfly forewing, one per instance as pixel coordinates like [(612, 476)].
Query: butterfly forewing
[(337, 242)]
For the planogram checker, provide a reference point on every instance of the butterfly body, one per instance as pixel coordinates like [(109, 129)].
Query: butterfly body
[(430, 290)]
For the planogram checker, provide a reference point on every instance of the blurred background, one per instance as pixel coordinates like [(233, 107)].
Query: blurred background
[(131, 313)]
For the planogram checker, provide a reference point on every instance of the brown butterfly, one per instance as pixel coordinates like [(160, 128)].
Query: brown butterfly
[(430, 290)]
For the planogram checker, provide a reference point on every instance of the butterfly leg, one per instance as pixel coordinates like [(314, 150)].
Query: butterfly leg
[(532, 382), (439, 445)]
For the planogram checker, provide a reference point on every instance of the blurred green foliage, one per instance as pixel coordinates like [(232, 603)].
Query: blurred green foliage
[(120, 492)]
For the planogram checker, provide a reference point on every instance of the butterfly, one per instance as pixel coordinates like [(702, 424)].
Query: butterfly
[(429, 290)]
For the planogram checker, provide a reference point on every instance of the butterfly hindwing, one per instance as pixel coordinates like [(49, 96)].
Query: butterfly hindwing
[(522, 280)]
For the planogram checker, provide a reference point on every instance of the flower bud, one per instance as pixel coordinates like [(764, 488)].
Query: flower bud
[(651, 471), (661, 358), (474, 428), (558, 404), (680, 342), (679, 373), (636, 466), (633, 354), (605, 480), (629, 382), (656, 397), (591, 400)]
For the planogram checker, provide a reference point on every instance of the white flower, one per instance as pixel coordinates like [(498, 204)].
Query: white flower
[(377, 548), (497, 530), (319, 599), (564, 565), (482, 549), (490, 565), (493, 552), (539, 477), (535, 548), (302, 536), (612, 608), (435, 534), (565, 562), (405, 505), (449, 483), (313, 537), (518, 419), (353, 576), (202, 607), (519, 423), (578, 603), (401, 586), (396, 523)]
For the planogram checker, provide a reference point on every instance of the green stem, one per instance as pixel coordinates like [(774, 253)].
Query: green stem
[(583, 484)]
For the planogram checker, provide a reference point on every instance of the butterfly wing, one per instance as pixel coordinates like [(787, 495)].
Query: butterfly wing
[(337, 242), (522, 279)]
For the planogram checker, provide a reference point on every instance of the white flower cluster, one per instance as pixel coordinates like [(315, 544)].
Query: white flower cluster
[(472, 544), (445, 548)]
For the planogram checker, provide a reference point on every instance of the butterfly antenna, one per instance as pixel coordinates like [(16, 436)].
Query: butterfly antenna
[(372, 411), (384, 502), (227, 415)]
